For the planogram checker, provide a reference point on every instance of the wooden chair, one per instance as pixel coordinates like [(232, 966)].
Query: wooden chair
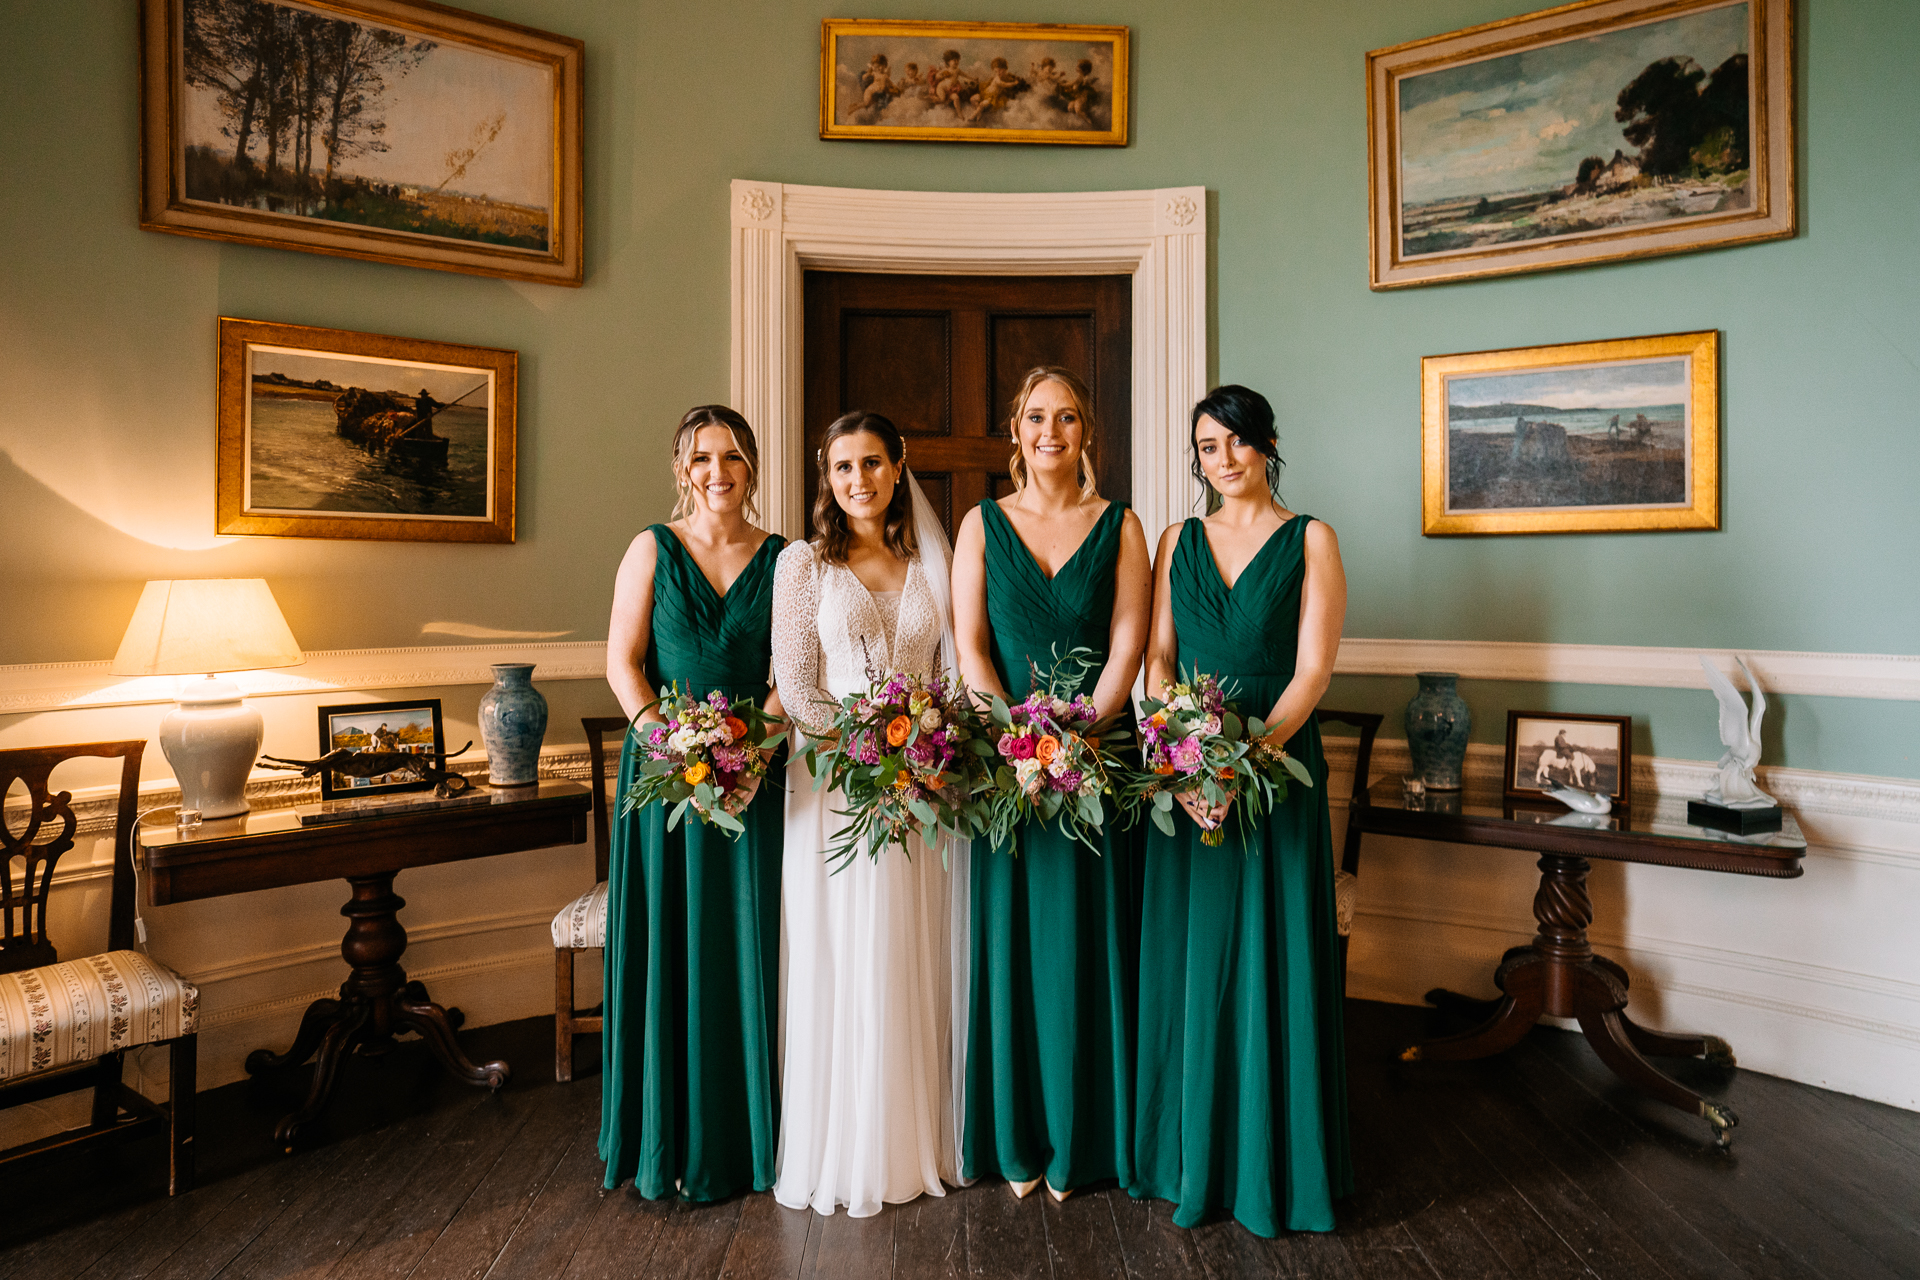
[(1346, 880), (582, 923), (67, 1026)]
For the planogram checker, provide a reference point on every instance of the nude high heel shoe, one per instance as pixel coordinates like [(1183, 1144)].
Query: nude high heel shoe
[(1021, 1190), (1059, 1197)]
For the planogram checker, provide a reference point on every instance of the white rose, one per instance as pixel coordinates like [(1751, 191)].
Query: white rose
[(930, 720)]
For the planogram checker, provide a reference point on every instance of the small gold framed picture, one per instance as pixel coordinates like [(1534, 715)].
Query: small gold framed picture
[(973, 82), (327, 433), (1580, 437)]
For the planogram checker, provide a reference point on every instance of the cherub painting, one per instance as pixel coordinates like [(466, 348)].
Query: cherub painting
[(959, 81)]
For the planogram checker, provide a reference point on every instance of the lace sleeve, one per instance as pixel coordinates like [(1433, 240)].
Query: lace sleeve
[(797, 658)]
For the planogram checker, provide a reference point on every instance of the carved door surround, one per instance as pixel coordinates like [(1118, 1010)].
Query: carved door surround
[(1156, 237)]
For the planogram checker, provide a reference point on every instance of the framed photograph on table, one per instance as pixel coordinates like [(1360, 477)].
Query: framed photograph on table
[(1588, 133), (973, 82), (1548, 749), (409, 727), (327, 433), (390, 130), (1580, 437)]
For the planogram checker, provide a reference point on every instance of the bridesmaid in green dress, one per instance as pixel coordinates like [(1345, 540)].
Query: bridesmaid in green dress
[(689, 1088), (1048, 1084), (1241, 1099)]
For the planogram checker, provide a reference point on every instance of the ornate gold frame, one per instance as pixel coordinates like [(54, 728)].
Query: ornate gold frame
[(1772, 217), (1703, 465), (232, 515), (832, 29), (164, 206)]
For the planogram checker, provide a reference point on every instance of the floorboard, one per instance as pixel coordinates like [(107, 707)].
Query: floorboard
[(1536, 1163)]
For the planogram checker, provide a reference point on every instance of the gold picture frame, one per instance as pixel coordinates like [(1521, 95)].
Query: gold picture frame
[(1579, 437), (417, 134), (919, 81), (1550, 140), (321, 436)]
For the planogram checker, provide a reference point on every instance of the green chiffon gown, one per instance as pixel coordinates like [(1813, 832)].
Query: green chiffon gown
[(1049, 1072), (1242, 1103), (691, 1077)]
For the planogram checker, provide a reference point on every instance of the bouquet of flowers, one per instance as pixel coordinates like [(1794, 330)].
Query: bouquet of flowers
[(1050, 761), (1192, 738), (907, 755), (702, 752)]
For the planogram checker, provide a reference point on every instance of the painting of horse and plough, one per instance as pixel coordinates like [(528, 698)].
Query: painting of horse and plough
[(331, 434), (376, 128), (1577, 437)]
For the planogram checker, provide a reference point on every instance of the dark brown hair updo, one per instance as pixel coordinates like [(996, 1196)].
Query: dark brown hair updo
[(1246, 414), (1082, 402), (712, 415), (834, 536)]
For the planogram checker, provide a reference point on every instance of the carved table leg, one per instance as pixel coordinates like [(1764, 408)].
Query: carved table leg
[(375, 1002), (1559, 975)]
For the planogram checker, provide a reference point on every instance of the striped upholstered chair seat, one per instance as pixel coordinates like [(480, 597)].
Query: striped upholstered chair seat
[(62, 1014), (582, 923)]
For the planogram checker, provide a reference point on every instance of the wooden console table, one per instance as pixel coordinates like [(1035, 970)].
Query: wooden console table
[(272, 849), (1558, 974)]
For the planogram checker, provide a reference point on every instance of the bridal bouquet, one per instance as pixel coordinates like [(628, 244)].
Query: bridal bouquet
[(1192, 738), (702, 752), (1050, 760), (908, 755)]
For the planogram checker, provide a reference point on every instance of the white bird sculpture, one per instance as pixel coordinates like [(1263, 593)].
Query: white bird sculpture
[(1740, 734)]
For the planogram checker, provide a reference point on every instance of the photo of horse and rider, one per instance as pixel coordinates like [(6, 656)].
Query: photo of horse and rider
[(1585, 754)]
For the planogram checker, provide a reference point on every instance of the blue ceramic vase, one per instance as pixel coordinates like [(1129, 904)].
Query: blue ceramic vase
[(513, 720), (1437, 725)]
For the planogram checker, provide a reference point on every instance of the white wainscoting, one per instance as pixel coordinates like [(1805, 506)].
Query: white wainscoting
[(1816, 979)]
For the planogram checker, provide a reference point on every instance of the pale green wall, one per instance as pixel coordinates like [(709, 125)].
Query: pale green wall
[(106, 342)]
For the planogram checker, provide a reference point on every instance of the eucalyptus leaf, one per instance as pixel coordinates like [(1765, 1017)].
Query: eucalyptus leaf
[(1163, 820)]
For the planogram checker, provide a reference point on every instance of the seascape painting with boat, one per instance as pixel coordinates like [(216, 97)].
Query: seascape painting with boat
[(354, 436), (1635, 127), (1576, 436)]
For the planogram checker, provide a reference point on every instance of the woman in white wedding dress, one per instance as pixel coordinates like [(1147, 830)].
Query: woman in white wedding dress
[(867, 1111)]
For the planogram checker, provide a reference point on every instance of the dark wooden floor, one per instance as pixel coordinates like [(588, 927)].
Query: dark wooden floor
[(1533, 1164)]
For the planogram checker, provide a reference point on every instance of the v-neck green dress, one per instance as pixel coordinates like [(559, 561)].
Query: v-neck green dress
[(1242, 1100), (1049, 1073), (691, 1075)]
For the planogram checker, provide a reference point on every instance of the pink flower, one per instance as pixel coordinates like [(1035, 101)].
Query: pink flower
[(657, 735), (1005, 746), (1186, 755), (1069, 781), (1021, 748)]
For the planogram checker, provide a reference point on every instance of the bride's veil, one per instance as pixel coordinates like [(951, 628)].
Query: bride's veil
[(936, 561)]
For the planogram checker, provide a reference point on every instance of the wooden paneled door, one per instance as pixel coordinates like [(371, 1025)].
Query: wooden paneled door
[(942, 356)]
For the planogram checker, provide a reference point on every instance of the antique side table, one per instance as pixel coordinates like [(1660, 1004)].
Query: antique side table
[(271, 849), (1558, 974)]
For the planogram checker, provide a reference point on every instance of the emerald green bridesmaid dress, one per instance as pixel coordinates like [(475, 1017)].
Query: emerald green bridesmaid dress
[(1242, 1102), (1049, 1073), (690, 1071)]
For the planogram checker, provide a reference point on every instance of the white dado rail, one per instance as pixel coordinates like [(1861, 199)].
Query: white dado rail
[(51, 686), (1158, 237)]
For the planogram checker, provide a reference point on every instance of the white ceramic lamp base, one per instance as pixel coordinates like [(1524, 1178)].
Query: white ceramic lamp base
[(211, 739)]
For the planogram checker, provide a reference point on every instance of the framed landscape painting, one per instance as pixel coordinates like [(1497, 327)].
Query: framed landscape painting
[(325, 433), (412, 728), (973, 82), (1577, 438), (1589, 133), (388, 130)]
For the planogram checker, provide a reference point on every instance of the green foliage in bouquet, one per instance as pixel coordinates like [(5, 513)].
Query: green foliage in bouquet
[(1048, 756), (705, 749)]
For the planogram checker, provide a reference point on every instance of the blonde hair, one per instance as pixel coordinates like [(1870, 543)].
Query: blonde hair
[(712, 415), (1082, 403)]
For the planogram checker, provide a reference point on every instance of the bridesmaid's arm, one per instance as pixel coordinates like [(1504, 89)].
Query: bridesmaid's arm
[(1163, 643), (1132, 619), (630, 628), (972, 635), (1323, 611)]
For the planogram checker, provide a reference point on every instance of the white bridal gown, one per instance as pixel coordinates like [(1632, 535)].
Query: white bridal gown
[(867, 1112)]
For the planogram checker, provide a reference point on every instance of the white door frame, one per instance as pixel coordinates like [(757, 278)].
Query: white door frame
[(1158, 237)]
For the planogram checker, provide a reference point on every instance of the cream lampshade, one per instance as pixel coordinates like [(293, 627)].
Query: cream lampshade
[(201, 626)]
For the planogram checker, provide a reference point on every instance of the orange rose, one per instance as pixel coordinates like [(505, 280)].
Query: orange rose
[(901, 781), (736, 726), (1225, 775), (1163, 768), (898, 730), (1046, 749), (697, 774)]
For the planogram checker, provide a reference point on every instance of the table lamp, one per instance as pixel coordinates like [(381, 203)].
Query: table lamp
[(203, 626)]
